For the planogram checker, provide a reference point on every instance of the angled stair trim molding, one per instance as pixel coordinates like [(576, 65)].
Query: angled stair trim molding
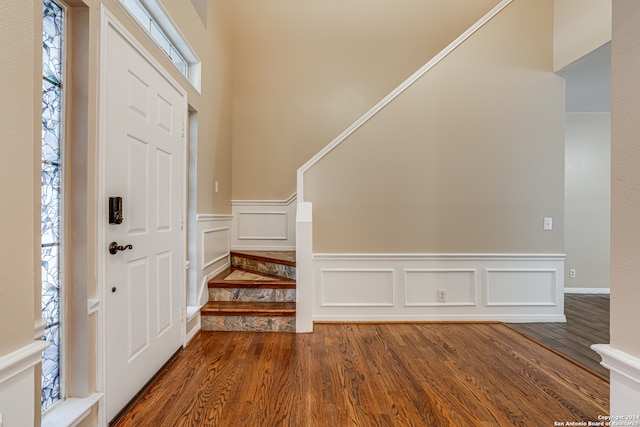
[(287, 202), (394, 94)]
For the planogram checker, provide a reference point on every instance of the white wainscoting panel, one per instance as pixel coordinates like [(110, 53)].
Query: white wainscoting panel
[(255, 225), (423, 286), (357, 288), (214, 245), (17, 380), (521, 287), (264, 224), (405, 287), (211, 257)]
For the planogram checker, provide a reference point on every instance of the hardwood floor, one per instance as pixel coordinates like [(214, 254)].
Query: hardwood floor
[(587, 324), (371, 375)]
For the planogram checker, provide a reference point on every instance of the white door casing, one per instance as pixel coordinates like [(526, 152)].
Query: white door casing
[(143, 112)]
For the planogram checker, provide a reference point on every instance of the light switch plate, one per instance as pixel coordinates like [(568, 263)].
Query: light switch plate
[(548, 224)]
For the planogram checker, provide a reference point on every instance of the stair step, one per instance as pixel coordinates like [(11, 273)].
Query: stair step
[(257, 293), (234, 278), (273, 263), (279, 257), (249, 308)]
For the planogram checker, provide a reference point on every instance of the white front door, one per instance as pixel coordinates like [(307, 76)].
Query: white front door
[(144, 114)]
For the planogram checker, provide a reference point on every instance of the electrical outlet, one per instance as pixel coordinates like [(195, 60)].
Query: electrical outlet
[(572, 273), (217, 187), (442, 295)]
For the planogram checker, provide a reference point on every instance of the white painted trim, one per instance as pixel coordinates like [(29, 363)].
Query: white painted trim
[(624, 380), (488, 291), (192, 333), (603, 291), (71, 412), (283, 236), (531, 291), (435, 257), (343, 287), (21, 360), (213, 217), (505, 318), (473, 300), (205, 269), (304, 268), (38, 330), (264, 224), (192, 311), (619, 361), (393, 95), (292, 199), (93, 305), (208, 263), (18, 396)]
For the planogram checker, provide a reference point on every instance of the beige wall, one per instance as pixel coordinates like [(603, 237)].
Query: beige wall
[(213, 44), (579, 27), (587, 199), (469, 160), (305, 70), (625, 178), (20, 88)]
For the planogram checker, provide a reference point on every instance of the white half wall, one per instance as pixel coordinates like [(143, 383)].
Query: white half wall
[(431, 287), (17, 384), (624, 384), (264, 224)]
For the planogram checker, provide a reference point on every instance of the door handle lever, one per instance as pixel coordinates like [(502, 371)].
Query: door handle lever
[(114, 248)]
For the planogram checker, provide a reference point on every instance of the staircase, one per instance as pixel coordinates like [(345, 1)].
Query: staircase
[(257, 293)]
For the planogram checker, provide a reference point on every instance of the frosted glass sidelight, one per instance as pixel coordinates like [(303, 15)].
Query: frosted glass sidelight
[(51, 196)]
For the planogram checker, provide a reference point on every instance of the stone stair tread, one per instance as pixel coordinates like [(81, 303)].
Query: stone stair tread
[(238, 278), (278, 257), (242, 308)]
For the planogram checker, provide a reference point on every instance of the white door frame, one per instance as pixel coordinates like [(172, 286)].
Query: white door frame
[(108, 20)]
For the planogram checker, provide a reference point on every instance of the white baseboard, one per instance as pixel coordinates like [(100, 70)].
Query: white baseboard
[(407, 287), (624, 382), (604, 291)]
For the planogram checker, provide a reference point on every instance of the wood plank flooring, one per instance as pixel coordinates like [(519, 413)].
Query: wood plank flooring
[(587, 324), (371, 375)]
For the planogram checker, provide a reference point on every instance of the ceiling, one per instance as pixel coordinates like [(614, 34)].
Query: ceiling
[(589, 82)]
